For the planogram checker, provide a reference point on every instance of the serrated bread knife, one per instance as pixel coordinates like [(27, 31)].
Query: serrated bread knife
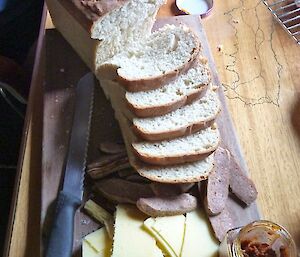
[(69, 198)]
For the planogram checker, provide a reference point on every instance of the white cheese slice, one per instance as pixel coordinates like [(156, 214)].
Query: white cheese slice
[(89, 251), (130, 239), (199, 239), (99, 240), (169, 233), (96, 244)]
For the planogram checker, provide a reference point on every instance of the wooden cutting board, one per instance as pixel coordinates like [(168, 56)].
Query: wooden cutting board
[(63, 69)]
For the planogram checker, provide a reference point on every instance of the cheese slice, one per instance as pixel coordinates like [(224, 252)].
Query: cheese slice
[(97, 244), (130, 239), (89, 251), (199, 239), (99, 240), (169, 233)]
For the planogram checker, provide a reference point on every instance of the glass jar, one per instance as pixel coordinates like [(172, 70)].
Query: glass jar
[(259, 238)]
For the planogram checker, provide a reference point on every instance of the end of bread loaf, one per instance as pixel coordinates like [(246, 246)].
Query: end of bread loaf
[(98, 30), (130, 23)]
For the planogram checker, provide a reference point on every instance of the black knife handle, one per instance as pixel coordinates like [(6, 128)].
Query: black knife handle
[(61, 237)]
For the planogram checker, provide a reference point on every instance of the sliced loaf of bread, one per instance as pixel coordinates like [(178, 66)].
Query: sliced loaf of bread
[(179, 150), (185, 89), (183, 121), (180, 173), (154, 61)]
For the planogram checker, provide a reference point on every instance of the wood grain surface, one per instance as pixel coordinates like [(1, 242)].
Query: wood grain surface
[(260, 70), (269, 133)]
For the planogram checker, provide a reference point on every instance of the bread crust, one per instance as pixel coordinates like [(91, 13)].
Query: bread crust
[(164, 109), (87, 12)]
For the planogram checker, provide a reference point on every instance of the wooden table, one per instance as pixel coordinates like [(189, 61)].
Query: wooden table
[(259, 66)]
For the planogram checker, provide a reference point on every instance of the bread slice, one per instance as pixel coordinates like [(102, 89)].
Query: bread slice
[(179, 150), (181, 122), (180, 173), (97, 30), (184, 90), (153, 62)]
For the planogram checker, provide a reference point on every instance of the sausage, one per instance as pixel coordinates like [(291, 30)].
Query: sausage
[(242, 186), (218, 183), (167, 206), (165, 190), (112, 148), (221, 223), (123, 191), (107, 164)]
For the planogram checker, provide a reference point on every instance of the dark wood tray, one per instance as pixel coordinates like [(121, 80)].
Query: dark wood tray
[(63, 69)]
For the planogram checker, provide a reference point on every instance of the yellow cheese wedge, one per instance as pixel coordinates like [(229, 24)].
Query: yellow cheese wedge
[(96, 244), (130, 239), (199, 239), (169, 233), (100, 214)]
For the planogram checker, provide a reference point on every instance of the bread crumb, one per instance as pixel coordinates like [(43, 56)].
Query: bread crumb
[(220, 48), (214, 87), (203, 60), (235, 21), (255, 57), (62, 70)]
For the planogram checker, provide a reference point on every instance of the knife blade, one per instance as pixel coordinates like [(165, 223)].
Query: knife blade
[(69, 198)]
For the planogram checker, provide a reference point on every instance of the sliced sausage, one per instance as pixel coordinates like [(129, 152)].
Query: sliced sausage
[(165, 190), (107, 164), (167, 206), (242, 186), (112, 148), (123, 191), (221, 223), (218, 183)]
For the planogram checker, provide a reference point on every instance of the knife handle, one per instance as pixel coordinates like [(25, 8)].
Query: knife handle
[(60, 242)]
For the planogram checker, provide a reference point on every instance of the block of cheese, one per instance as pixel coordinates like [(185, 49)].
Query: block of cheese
[(169, 233), (130, 239), (199, 239), (97, 244)]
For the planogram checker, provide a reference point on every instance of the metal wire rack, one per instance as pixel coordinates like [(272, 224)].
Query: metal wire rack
[(287, 13)]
